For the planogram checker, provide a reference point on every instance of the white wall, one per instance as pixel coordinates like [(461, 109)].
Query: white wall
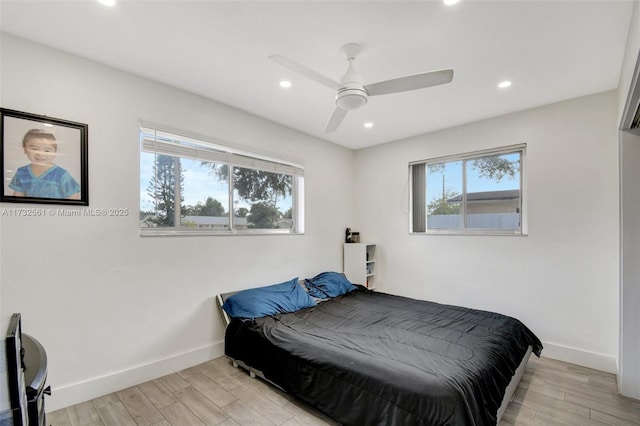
[(630, 57), (629, 374), (629, 365), (112, 308), (562, 279)]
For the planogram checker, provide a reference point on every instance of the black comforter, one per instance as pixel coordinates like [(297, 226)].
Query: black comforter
[(369, 358)]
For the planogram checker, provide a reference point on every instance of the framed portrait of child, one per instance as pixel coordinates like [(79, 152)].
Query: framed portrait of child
[(44, 159)]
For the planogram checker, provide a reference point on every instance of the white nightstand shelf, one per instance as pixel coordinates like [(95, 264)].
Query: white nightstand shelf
[(360, 264)]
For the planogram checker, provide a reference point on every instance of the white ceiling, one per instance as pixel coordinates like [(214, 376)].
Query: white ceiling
[(551, 50)]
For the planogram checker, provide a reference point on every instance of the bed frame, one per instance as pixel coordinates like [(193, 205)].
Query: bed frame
[(510, 390)]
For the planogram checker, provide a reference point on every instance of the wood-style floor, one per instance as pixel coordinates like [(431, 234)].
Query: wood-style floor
[(214, 393)]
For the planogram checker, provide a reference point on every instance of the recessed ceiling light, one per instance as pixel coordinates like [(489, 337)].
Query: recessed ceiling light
[(450, 2), (368, 124), (107, 2), (285, 84), (504, 84)]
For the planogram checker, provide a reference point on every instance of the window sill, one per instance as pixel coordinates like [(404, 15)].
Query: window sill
[(155, 232), (474, 233)]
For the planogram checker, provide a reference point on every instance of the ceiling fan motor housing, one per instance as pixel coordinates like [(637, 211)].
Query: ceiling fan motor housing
[(352, 96)]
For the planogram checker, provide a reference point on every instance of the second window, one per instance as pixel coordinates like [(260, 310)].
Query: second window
[(473, 193)]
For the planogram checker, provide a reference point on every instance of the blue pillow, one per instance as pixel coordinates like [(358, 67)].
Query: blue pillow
[(270, 300), (328, 284)]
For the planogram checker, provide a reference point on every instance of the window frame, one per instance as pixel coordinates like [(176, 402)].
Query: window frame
[(203, 148), (415, 214)]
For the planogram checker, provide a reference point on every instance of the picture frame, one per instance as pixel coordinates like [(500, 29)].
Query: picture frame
[(44, 160)]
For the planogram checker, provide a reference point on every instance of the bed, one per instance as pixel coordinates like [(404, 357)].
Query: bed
[(369, 358)]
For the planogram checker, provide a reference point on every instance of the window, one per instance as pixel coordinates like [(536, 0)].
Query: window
[(191, 185), (479, 192)]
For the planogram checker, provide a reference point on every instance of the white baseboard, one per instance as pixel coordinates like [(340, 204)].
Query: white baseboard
[(580, 357), (75, 393)]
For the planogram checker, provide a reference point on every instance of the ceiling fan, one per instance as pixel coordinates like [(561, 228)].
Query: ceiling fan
[(352, 93)]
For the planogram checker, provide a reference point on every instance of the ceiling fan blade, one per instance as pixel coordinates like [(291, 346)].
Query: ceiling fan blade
[(410, 82), (304, 71), (336, 118)]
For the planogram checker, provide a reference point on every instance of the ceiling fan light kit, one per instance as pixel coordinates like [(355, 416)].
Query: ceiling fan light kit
[(349, 99), (352, 93)]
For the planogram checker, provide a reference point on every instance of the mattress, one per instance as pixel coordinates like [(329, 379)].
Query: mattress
[(370, 358)]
